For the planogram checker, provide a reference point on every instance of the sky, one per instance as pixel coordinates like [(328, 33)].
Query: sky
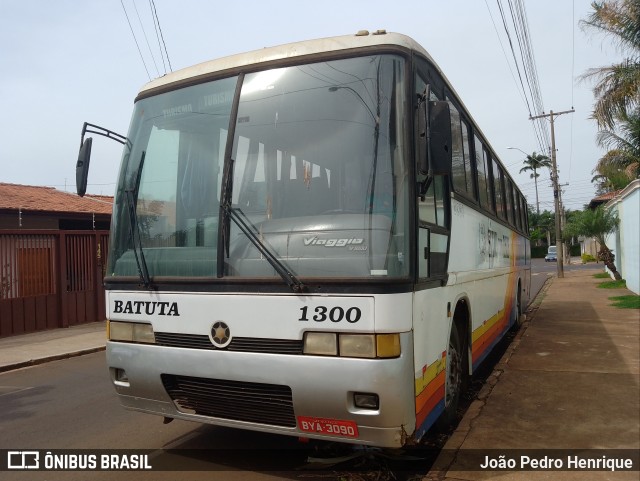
[(65, 62)]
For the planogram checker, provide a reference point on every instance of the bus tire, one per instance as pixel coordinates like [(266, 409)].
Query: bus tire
[(518, 314), (455, 377)]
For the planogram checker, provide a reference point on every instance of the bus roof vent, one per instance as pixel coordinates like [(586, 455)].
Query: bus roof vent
[(362, 33), (380, 32)]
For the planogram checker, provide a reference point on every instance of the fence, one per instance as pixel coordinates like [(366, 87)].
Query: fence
[(51, 279)]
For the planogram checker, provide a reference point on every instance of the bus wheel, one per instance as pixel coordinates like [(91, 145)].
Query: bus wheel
[(455, 379), (519, 316)]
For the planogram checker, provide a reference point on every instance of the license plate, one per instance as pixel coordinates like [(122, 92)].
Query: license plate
[(331, 427)]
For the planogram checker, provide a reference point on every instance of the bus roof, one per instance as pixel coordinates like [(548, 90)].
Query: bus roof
[(290, 50)]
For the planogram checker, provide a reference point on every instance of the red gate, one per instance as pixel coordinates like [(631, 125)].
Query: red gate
[(51, 279)]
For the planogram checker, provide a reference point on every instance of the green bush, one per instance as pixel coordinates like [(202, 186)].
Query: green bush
[(587, 258), (538, 252)]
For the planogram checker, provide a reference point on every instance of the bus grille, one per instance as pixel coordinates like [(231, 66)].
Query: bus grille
[(240, 344), (239, 401)]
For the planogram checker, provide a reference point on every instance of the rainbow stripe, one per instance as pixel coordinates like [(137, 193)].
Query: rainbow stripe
[(430, 394), (491, 331)]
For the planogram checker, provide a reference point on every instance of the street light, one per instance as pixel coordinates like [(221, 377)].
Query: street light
[(516, 148)]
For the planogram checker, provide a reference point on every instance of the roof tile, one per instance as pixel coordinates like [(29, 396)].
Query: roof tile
[(48, 199)]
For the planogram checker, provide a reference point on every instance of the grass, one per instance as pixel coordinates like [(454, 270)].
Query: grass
[(602, 275), (622, 284), (631, 301), (626, 302)]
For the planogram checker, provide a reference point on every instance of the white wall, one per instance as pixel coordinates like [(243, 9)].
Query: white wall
[(627, 239)]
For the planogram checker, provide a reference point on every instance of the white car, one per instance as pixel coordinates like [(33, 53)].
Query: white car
[(552, 255)]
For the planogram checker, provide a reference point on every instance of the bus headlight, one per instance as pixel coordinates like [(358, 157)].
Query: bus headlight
[(320, 343), (368, 346), (358, 345), (131, 332)]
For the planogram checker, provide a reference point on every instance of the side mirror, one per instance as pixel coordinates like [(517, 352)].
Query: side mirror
[(422, 156), (433, 138), (82, 166), (439, 140)]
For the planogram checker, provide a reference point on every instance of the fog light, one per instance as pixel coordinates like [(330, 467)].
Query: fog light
[(120, 375), (366, 400)]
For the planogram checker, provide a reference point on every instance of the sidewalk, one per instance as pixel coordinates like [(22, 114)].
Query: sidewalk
[(39, 347), (569, 380)]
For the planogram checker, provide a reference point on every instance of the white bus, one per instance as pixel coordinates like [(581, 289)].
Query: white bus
[(314, 240)]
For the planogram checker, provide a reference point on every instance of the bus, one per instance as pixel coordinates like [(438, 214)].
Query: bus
[(313, 239)]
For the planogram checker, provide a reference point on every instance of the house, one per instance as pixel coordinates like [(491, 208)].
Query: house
[(589, 245), (36, 207), (602, 199), (625, 242), (53, 247)]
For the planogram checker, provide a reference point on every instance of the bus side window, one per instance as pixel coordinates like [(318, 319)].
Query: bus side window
[(490, 180), (459, 174), (483, 188), (467, 159), (498, 190), (509, 197), (433, 235)]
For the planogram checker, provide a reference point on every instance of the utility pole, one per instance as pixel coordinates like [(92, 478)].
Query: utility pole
[(556, 189), (566, 252)]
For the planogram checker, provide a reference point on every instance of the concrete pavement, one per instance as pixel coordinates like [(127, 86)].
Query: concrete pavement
[(39, 347), (569, 380)]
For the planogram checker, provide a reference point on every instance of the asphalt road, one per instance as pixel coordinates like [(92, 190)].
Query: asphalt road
[(71, 405)]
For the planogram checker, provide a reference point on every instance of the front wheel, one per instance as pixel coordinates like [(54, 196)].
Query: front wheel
[(456, 377)]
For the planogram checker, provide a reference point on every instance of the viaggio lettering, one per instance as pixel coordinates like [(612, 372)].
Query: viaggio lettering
[(315, 241), (146, 307)]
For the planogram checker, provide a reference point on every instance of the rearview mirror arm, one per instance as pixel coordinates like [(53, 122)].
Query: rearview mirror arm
[(89, 128)]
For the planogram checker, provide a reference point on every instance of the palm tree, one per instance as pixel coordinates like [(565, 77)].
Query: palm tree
[(597, 223), (617, 88), (534, 162), (621, 164)]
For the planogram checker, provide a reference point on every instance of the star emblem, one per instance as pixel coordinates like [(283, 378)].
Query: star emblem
[(220, 334)]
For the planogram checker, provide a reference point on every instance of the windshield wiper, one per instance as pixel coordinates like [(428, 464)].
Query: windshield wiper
[(248, 229), (134, 228)]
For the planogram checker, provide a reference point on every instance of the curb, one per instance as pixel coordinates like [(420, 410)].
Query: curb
[(56, 357)]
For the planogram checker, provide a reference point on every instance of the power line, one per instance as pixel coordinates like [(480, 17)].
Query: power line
[(504, 22), (504, 52), (520, 24), (145, 37), (135, 39), (155, 26), (155, 13), (521, 28), (573, 63), (528, 70)]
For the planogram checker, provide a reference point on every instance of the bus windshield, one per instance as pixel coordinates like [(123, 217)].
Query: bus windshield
[(317, 167)]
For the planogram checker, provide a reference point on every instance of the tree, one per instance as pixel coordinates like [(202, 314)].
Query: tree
[(621, 164), (596, 223), (617, 88), (542, 225), (534, 162)]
